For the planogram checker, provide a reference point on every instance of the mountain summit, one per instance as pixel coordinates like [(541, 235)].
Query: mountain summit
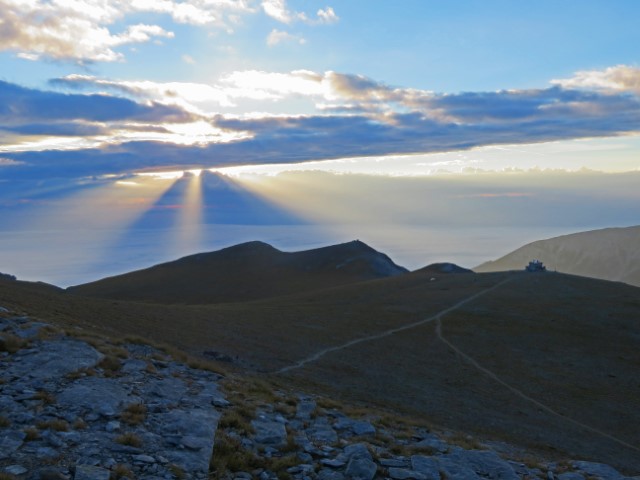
[(608, 254), (248, 271)]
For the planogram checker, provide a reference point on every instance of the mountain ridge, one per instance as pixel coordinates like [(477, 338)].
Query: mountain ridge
[(247, 271)]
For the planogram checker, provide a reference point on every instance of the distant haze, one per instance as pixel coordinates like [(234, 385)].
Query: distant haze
[(410, 247)]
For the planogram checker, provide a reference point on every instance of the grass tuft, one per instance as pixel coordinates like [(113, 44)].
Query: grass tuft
[(130, 439), (56, 425), (45, 397), (120, 470), (111, 365), (79, 424), (134, 413), (11, 343), (31, 433)]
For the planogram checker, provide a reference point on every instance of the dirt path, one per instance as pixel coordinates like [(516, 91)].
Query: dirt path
[(438, 318), (523, 395), (386, 333)]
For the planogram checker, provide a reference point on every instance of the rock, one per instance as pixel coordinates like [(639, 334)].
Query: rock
[(220, 402), (47, 453), (434, 443), (104, 396), (15, 470), (361, 468), (570, 476), (427, 466), (327, 474), (363, 428), (485, 463), (194, 443), (269, 432), (306, 406), (404, 474), (133, 365), (112, 426), (55, 359), (453, 470), (392, 462), (333, 463), (357, 450), (144, 459), (88, 472), (605, 472), (322, 433), (51, 473), (10, 442), (52, 439)]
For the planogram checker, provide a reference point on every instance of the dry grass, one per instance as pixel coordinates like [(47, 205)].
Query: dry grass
[(150, 368), (111, 365), (80, 373), (230, 456), (237, 419), (57, 425), (11, 343), (130, 439), (134, 414), (47, 398), (79, 424), (177, 471), (31, 434), (120, 470)]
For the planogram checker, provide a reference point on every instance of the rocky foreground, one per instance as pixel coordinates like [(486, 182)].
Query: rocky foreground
[(83, 409)]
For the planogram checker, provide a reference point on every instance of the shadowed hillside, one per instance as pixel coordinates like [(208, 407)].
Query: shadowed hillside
[(244, 272), (444, 267), (609, 254), (555, 355)]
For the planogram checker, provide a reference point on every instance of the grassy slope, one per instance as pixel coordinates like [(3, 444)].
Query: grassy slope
[(573, 343), (609, 254)]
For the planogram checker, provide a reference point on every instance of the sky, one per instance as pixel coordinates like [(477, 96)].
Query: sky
[(134, 132)]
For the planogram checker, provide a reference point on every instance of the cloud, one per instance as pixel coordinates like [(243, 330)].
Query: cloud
[(19, 105), (187, 95), (7, 162), (81, 30), (620, 78), (165, 125), (69, 30), (188, 59), (278, 10), (278, 36), (327, 16)]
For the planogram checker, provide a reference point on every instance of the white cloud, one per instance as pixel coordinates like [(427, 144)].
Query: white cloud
[(188, 59), (81, 30), (7, 162), (618, 78), (278, 36), (328, 15), (277, 9), (257, 85), (187, 95)]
